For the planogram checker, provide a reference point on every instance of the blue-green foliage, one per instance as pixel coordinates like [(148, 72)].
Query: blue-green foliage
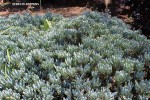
[(89, 57)]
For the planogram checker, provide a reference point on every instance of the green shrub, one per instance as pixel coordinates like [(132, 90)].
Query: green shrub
[(89, 57)]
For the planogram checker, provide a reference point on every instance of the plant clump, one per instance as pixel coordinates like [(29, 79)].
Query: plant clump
[(89, 57)]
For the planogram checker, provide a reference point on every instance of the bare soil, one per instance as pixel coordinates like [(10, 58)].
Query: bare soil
[(65, 11)]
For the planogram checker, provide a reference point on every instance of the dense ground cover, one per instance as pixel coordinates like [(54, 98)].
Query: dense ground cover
[(88, 57)]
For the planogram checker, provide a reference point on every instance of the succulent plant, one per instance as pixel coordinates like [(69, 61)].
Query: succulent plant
[(92, 56)]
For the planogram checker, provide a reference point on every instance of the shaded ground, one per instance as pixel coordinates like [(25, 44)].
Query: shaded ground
[(65, 11)]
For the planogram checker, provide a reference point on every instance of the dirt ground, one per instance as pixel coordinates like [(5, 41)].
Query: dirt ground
[(65, 11)]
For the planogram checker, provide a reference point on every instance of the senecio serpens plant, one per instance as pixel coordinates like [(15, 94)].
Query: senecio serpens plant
[(89, 57)]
